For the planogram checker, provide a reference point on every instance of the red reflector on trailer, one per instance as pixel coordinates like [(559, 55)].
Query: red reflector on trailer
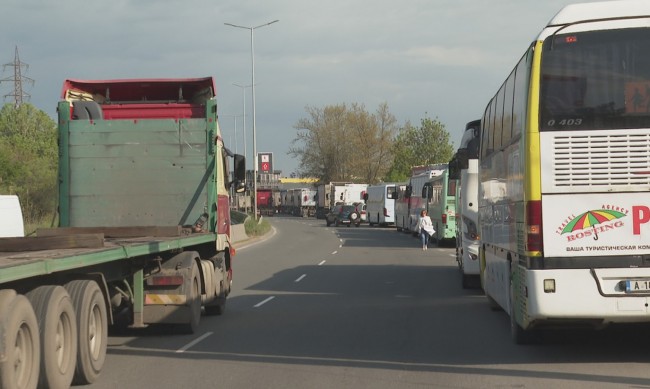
[(165, 281), (444, 218)]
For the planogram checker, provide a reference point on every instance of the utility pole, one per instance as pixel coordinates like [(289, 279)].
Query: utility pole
[(17, 79)]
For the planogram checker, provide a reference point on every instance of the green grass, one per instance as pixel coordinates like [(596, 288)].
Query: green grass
[(257, 228), (47, 221)]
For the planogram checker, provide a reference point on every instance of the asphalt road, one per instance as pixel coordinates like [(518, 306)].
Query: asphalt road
[(325, 307)]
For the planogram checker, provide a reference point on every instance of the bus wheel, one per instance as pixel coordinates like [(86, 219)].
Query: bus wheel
[(22, 345), (466, 281), (92, 326), (58, 335), (518, 333)]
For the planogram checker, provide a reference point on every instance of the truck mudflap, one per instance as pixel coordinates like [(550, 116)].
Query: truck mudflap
[(168, 292), (165, 299)]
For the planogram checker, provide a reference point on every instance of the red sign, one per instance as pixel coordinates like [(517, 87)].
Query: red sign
[(265, 161)]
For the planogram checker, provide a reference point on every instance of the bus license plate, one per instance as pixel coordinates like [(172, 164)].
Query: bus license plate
[(637, 286)]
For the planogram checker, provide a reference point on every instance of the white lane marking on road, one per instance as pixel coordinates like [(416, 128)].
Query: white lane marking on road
[(263, 302), (334, 252), (341, 240), (300, 278), (321, 263), (340, 245), (192, 343)]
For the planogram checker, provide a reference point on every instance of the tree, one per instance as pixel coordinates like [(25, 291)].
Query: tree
[(29, 159), (341, 143), (416, 146)]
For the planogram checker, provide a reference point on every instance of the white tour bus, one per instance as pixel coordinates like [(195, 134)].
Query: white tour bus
[(464, 169), (380, 204), (564, 204)]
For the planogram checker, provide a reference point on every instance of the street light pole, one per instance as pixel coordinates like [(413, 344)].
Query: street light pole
[(243, 99), (252, 29)]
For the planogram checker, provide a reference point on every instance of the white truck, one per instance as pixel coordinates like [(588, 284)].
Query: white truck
[(304, 202), (351, 194), (11, 221), (326, 197)]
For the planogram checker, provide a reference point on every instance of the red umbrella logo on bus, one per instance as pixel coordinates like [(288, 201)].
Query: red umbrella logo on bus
[(591, 219)]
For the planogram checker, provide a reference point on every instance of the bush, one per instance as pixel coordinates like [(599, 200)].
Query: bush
[(256, 228)]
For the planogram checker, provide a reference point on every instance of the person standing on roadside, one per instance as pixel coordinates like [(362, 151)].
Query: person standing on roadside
[(425, 228)]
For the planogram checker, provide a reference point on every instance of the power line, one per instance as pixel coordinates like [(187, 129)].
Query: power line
[(18, 79)]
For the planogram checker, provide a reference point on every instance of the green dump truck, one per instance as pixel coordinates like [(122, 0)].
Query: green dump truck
[(144, 234)]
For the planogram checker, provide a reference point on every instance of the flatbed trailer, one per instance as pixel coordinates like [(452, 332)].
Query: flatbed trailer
[(144, 233)]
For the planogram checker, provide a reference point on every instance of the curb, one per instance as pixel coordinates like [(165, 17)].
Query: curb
[(251, 241)]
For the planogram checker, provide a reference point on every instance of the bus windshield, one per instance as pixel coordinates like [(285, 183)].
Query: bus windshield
[(596, 80)]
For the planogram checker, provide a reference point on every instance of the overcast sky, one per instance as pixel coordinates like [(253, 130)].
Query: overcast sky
[(442, 59)]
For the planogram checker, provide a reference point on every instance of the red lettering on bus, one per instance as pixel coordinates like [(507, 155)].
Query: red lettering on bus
[(640, 215)]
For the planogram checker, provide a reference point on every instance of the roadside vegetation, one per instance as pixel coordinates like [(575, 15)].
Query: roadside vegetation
[(256, 228), (347, 143), (29, 162)]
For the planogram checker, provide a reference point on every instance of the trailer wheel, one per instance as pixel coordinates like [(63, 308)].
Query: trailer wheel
[(58, 335), (194, 299), (92, 327), (22, 346)]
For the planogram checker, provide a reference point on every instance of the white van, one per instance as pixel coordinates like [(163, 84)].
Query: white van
[(380, 204), (11, 217)]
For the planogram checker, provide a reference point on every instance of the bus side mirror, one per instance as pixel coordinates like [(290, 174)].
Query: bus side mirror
[(408, 192), (239, 179), (365, 196)]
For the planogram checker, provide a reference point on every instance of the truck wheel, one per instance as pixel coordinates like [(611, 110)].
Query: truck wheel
[(22, 345), (194, 301), (92, 327), (218, 305), (58, 335)]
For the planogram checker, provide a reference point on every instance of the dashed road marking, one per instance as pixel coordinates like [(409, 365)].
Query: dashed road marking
[(300, 278), (263, 302), (192, 343)]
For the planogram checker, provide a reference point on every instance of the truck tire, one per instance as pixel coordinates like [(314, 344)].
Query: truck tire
[(58, 335), (92, 327), (218, 305), (87, 110), (194, 301), (20, 368)]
